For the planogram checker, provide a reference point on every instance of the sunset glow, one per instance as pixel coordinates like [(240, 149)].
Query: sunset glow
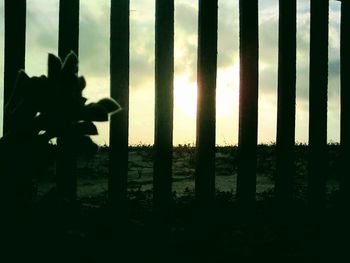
[(42, 38)]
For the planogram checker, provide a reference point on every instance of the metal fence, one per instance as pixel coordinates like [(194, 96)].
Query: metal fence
[(15, 28)]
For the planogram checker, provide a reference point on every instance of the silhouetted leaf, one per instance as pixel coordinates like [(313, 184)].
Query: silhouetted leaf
[(94, 112), (83, 100), (110, 105), (70, 63), (41, 122), (54, 66), (85, 128), (18, 92), (86, 145), (81, 83), (38, 92)]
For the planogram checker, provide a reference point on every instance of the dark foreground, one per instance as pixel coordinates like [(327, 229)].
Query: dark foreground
[(89, 233)]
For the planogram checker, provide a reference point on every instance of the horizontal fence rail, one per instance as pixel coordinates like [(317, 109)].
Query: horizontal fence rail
[(15, 26)]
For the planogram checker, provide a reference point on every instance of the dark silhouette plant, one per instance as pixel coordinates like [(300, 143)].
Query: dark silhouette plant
[(41, 109)]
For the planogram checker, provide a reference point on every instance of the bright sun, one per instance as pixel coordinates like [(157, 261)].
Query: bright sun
[(185, 96), (185, 93)]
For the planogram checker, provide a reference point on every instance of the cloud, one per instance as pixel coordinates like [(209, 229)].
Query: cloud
[(228, 37), (267, 4), (269, 44), (186, 35), (142, 48), (42, 24), (94, 40), (186, 16), (42, 37)]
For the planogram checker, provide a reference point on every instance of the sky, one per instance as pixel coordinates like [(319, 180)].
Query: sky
[(42, 38)]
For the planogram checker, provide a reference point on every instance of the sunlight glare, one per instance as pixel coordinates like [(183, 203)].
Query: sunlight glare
[(227, 91), (185, 92), (185, 95)]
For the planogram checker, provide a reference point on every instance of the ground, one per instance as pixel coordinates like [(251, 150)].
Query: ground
[(88, 232)]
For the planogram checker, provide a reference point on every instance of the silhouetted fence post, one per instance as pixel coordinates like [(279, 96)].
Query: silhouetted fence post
[(286, 102), (248, 103), (345, 102), (119, 90), (318, 161), (206, 107), (68, 40), (164, 76), (68, 36), (15, 38)]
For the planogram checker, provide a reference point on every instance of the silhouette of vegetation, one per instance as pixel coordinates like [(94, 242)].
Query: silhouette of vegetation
[(41, 109)]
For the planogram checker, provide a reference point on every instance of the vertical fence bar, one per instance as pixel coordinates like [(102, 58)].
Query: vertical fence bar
[(206, 108), (68, 36), (286, 102), (164, 76), (68, 40), (248, 103), (119, 90), (345, 105), (318, 165), (15, 36)]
